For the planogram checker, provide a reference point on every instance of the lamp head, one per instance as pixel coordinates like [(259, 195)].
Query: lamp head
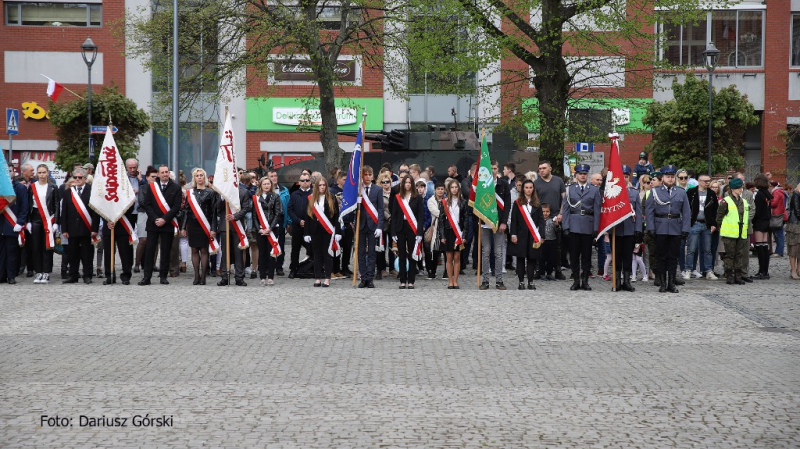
[(712, 55), (89, 51)]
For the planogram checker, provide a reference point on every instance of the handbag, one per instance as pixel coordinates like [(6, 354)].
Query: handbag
[(429, 234), (776, 221)]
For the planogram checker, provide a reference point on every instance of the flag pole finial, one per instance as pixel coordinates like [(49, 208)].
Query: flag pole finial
[(110, 123)]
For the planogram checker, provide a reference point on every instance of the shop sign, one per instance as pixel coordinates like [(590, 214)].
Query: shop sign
[(345, 70), (31, 110), (303, 116)]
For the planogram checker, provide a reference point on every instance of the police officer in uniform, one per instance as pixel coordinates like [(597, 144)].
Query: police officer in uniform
[(668, 220), (732, 216), (581, 218), (627, 233)]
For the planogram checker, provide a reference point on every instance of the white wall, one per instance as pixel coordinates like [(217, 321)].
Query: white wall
[(751, 84), (139, 88), (65, 67)]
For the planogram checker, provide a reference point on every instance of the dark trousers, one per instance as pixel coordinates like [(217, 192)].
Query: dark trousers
[(237, 256), (624, 252), (468, 238), (81, 252), (281, 233), (651, 253), (323, 261), (668, 248), (735, 251), (526, 265), (342, 262), (266, 263), (9, 245), (42, 257), (561, 247), (366, 254), (125, 252), (26, 253), (405, 246), (431, 258), (162, 242), (550, 256), (297, 243), (580, 253)]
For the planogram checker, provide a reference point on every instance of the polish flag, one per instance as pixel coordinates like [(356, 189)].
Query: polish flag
[(53, 89)]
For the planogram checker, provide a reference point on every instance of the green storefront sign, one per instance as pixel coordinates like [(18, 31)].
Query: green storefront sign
[(627, 113), (287, 114)]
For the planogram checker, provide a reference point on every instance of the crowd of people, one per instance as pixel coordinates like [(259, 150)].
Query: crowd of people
[(409, 222)]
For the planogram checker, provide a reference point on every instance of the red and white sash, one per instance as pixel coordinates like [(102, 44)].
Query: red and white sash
[(500, 204), (529, 222), (380, 244), (83, 212), (12, 218), (239, 229), (262, 219), (333, 247), (410, 218), (126, 224), (453, 223), (368, 206), (213, 246), (416, 253), (47, 220), (162, 203)]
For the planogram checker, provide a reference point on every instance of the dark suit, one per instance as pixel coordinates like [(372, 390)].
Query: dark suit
[(298, 204), (246, 205), (406, 238), (163, 234), (320, 240), (124, 248), (80, 248), (366, 236), (9, 240)]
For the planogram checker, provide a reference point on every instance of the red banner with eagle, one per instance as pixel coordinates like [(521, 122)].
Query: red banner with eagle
[(616, 205)]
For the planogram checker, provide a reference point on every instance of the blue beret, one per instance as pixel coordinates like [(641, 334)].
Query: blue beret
[(626, 170), (669, 170), (582, 168)]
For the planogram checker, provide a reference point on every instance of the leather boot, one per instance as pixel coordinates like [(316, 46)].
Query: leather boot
[(662, 284), (617, 281), (737, 279), (585, 283), (730, 279), (671, 283), (576, 282), (626, 282), (657, 279)]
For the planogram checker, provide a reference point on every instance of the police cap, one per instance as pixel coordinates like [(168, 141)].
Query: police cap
[(582, 168), (626, 170), (669, 170)]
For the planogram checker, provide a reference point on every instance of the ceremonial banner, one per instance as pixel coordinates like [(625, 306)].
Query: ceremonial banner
[(7, 195), (112, 193), (616, 205), (226, 174), (485, 204), (350, 193)]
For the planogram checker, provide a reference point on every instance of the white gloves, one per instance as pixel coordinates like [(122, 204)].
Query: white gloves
[(338, 237), (419, 239), (17, 228), (307, 239), (28, 227), (394, 239), (358, 201), (55, 227), (378, 233)]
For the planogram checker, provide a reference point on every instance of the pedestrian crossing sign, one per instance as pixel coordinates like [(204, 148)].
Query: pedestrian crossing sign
[(12, 121)]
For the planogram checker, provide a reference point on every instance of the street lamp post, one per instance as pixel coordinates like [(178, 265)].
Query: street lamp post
[(712, 56), (89, 54)]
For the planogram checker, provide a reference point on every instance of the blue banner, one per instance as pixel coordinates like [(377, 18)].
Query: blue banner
[(352, 184)]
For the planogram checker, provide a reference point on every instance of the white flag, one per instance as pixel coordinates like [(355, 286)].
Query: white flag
[(226, 176), (112, 193)]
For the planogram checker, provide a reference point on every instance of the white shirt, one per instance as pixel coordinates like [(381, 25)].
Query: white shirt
[(41, 192)]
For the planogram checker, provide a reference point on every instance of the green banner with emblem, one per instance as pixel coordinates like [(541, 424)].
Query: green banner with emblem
[(485, 206)]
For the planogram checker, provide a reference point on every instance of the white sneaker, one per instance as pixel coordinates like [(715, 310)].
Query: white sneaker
[(247, 271), (45, 278), (38, 278), (710, 276), (633, 278), (687, 274), (696, 274)]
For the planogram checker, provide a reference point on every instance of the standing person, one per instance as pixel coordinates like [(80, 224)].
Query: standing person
[(13, 220), (406, 207), (703, 204), (626, 234), (322, 231), (136, 180), (668, 221), (762, 199), (283, 193), (370, 226), (527, 223), (453, 217), (778, 209), (237, 236), (150, 176), (79, 224), (643, 167), (162, 202), (715, 188), (267, 221), (509, 173), (433, 251), (749, 196), (341, 262), (581, 218), (491, 241), (471, 228), (649, 238), (452, 172), (26, 258), (548, 262), (385, 182), (43, 223), (298, 205), (793, 233), (732, 216), (199, 223), (551, 190), (123, 243)]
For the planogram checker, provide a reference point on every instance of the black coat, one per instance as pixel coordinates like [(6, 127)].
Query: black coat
[(273, 209), (444, 223), (172, 195), (710, 209), (524, 246), (52, 198), (245, 204), (71, 221), (503, 190), (298, 204), (314, 228), (207, 199), (416, 205)]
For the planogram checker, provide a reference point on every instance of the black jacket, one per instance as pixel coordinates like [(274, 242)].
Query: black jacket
[(416, 205), (444, 223), (503, 190), (763, 197), (524, 246), (314, 228), (710, 209), (794, 207), (273, 209), (172, 195), (52, 198), (298, 204), (71, 221), (207, 199)]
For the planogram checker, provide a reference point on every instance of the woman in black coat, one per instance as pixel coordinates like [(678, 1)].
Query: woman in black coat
[(318, 235), (267, 201), (523, 246), (455, 207), (762, 199), (402, 230), (192, 227)]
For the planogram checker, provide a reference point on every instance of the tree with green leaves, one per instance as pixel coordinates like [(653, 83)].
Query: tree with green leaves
[(70, 118), (680, 131)]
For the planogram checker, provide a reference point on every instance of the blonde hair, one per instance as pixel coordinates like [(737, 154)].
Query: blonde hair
[(315, 196), (259, 191), (383, 175), (194, 172)]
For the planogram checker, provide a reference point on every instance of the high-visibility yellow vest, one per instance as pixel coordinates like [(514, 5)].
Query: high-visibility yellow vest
[(730, 224)]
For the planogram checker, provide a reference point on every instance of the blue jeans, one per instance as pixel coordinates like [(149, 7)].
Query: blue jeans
[(700, 240), (779, 240), (682, 255), (714, 248)]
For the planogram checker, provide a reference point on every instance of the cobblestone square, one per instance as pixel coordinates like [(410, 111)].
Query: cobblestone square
[(300, 367)]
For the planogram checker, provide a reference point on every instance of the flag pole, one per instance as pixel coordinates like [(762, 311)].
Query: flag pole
[(358, 206), (480, 230), (113, 273), (614, 260), (227, 230), (65, 88)]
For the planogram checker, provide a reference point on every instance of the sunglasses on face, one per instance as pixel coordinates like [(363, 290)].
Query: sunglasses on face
[(683, 177), (78, 177), (305, 180), (386, 182)]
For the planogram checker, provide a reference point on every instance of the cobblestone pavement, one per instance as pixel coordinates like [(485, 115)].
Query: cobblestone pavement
[(296, 366)]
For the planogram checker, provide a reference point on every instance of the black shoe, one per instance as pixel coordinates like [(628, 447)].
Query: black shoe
[(662, 283), (431, 276), (203, 280), (241, 283), (29, 274), (500, 286), (317, 284), (222, 282), (520, 287), (402, 287), (136, 269), (626, 282), (346, 272), (87, 281), (560, 276), (254, 275), (126, 282), (144, 282), (12, 281), (370, 284), (671, 283), (758, 276), (737, 280), (510, 266), (747, 279), (280, 272), (531, 286), (363, 284), (292, 274), (378, 276), (164, 281), (196, 280), (410, 286), (100, 273), (657, 280), (108, 282), (70, 281), (213, 273), (576, 284), (585, 284), (484, 286), (729, 279)]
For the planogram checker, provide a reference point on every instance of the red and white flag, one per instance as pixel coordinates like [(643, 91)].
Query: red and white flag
[(616, 207), (112, 192), (53, 89), (226, 174)]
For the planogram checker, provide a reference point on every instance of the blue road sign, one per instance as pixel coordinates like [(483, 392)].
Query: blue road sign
[(584, 147), (12, 121), (102, 130)]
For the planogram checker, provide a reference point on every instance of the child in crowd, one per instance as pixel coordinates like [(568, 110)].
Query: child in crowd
[(638, 260), (548, 261)]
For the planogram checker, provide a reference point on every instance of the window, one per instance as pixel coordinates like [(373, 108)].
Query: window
[(425, 74), (589, 125), (739, 36), (795, 40), (54, 14), (328, 17)]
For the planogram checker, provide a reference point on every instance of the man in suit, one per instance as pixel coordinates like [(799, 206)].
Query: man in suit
[(298, 204), (79, 225), (580, 214), (123, 244), (370, 227), (246, 206), (668, 219), (162, 202), (13, 219)]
